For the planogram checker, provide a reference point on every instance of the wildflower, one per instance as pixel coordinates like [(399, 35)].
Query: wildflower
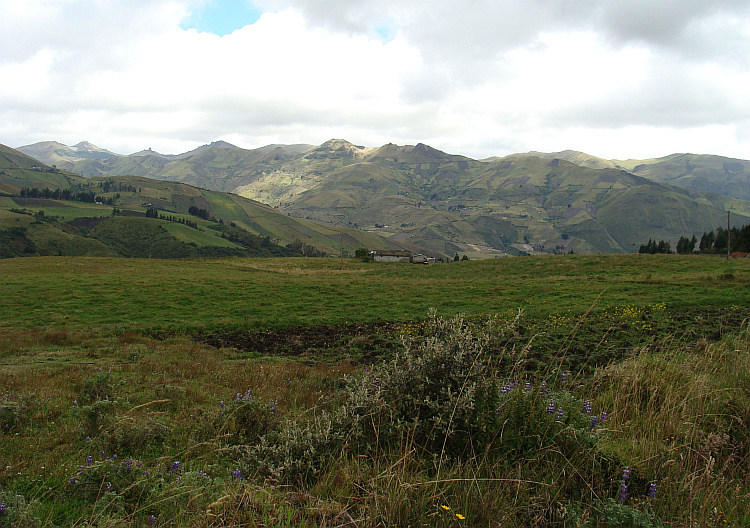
[(587, 407), (75, 403), (89, 460), (152, 520), (623, 493), (221, 404), (2, 508), (551, 408), (175, 467), (651, 493), (237, 474), (445, 508), (560, 413), (460, 517)]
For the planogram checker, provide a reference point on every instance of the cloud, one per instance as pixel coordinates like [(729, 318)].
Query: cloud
[(475, 77)]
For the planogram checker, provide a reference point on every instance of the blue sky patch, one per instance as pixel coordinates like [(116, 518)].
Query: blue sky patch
[(221, 17)]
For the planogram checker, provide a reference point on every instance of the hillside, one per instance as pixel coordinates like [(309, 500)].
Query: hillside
[(715, 174), (48, 211), (430, 201)]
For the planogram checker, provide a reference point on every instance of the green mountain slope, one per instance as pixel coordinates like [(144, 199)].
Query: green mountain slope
[(426, 200), (45, 211), (715, 174)]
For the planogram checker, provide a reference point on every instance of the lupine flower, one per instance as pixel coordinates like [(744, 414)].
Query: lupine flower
[(152, 520), (587, 407), (651, 493), (89, 460), (237, 474), (75, 403), (221, 404), (594, 420), (175, 467), (560, 413), (2, 508), (551, 408), (623, 493)]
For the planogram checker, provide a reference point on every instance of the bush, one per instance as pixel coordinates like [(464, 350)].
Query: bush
[(443, 395)]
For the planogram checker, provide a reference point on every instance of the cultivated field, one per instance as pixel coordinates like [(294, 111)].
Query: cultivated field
[(566, 390)]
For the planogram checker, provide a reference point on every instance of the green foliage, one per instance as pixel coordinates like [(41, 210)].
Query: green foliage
[(440, 394), (362, 254), (244, 420)]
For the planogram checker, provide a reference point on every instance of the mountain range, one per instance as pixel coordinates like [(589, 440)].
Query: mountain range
[(426, 200)]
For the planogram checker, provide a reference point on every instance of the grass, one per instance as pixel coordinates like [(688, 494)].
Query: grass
[(104, 358), (84, 293)]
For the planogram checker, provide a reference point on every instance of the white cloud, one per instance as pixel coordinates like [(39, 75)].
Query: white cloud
[(615, 78)]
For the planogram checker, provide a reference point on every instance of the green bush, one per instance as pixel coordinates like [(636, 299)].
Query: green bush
[(442, 394)]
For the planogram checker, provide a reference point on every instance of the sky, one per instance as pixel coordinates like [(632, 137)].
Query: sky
[(617, 79)]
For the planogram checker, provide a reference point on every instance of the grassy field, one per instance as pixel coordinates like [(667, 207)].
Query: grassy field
[(321, 392), (73, 293)]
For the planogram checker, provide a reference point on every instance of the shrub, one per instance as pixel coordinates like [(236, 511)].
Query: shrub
[(442, 394)]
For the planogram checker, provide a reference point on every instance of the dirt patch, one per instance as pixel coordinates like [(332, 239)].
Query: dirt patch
[(361, 341)]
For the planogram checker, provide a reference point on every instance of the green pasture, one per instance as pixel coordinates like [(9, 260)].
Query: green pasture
[(77, 293)]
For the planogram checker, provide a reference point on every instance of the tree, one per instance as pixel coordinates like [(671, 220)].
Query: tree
[(362, 254), (456, 259)]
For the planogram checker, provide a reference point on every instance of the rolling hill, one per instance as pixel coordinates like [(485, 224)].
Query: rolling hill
[(45, 210)]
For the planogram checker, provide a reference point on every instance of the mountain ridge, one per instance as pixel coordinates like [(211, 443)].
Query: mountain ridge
[(432, 201)]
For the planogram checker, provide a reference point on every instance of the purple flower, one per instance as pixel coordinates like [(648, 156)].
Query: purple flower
[(623, 493), (175, 467), (551, 408), (75, 403), (2, 508), (221, 404), (594, 420), (651, 493), (152, 520), (587, 407), (560, 413), (89, 460), (237, 474)]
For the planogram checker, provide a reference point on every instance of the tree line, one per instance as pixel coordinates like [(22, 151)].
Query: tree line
[(63, 194), (711, 242)]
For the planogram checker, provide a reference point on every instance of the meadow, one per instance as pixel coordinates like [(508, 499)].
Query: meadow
[(546, 391)]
